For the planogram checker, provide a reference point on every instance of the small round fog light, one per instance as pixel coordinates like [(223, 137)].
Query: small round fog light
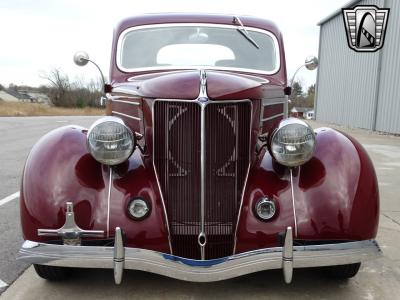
[(265, 209), (138, 209)]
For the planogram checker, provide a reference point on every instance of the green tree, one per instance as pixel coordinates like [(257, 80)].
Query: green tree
[(297, 90), (300, 99), (297, 95), (309, 100)]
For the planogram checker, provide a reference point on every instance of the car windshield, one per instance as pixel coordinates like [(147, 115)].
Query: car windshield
[(197, 46)]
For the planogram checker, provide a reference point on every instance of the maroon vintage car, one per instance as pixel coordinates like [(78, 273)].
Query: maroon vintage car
[(196, 172)]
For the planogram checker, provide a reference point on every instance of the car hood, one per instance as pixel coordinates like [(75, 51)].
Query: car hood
[(186, 85)]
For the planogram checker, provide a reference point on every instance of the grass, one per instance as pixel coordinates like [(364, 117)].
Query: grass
[(19, 109)]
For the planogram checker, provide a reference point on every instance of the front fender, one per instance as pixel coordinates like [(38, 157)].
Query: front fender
[(336, 195), (59, 169)]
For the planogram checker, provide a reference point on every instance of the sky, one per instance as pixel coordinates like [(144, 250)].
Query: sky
[(38, 35)]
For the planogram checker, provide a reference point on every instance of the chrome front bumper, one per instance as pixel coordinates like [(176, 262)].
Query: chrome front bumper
[(120, 258)]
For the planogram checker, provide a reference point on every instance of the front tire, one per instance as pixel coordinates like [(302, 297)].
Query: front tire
[(52, 273), (343, 271)]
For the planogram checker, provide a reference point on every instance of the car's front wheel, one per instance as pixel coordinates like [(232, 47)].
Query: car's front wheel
[(52, 273), (342, 271)]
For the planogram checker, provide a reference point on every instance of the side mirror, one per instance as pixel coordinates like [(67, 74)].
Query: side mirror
[(81, 58), (311, 63)]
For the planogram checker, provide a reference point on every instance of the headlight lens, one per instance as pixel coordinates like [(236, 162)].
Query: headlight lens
[(293, 143), (110, 141)]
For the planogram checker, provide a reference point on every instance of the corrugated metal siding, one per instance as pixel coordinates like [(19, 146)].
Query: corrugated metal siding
[(388, 112), (347, 80)]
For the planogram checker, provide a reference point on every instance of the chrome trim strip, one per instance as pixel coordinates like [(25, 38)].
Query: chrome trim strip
[(118, 56), (207, 68), (125, 115), (202, 100), (126, 102), (122, 90), (273, 103), (202, 179), (240, 208), (109, 202), (158, 181), (164, 208), (246, 179), (124, 95), (138, 78), (198, 270), (293, 202), (273, 117)]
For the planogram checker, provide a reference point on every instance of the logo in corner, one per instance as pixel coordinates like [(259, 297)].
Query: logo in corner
[(365, 27)]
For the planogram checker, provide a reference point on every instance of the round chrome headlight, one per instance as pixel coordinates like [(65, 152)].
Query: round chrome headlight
[(138, 208), (293, 143), (110, 141)]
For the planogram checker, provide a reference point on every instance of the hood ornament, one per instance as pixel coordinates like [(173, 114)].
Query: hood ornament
[(203, 97)]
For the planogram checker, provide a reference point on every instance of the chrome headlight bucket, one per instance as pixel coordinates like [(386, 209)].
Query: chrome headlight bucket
[(110, 141), (293, 142)]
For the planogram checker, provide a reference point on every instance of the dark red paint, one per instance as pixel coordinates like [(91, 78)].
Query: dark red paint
[(59, 169), (126, 108), (186, 85), (336, 195), (228, 86), (168, 85), (336, 192), (273, 110)]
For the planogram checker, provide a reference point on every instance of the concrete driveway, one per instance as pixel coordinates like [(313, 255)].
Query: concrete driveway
[(376, 280)]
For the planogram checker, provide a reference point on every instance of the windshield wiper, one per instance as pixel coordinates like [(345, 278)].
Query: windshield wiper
[(244, 32)]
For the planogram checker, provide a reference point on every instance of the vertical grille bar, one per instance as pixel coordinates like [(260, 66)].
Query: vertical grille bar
[(177, 157)]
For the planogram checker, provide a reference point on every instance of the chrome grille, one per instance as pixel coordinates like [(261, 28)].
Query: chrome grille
[(177, 152)]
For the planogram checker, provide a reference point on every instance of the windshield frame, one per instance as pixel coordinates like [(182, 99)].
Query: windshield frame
[(121, 38)]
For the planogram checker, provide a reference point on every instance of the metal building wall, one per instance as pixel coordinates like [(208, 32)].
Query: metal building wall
[(347, 80), (388, 109)]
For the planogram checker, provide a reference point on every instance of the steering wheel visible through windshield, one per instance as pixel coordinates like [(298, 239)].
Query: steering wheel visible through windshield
[(187, 46)]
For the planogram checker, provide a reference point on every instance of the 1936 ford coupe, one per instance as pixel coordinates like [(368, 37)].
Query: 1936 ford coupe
[(196, 172)]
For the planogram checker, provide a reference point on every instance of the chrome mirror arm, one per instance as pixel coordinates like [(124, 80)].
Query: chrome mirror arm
[(295, 73), (101, 73), (81, 59)]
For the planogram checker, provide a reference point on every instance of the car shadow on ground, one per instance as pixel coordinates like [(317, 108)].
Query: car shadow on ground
[(266, 284)]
